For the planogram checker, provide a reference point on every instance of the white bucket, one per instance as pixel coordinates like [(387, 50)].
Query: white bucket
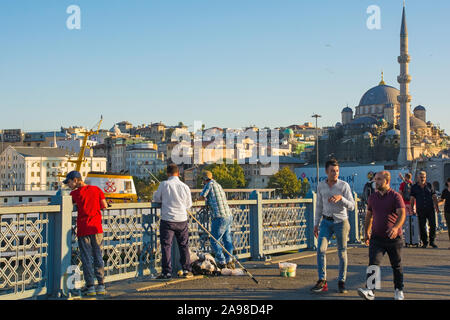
[(287, 270)]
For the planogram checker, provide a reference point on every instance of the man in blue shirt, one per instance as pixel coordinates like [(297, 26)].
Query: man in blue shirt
[(221, 219)]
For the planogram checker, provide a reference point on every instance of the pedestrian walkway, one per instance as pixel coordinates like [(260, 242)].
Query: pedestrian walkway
[(426, 273)]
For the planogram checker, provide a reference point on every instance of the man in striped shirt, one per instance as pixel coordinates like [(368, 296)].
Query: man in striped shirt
[(221, 219)]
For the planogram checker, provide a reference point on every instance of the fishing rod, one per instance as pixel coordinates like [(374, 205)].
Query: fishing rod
[(217, 241)]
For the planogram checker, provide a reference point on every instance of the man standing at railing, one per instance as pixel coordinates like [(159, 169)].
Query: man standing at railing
[(89, 200), (175, 199), (221, 219), (334, 199)]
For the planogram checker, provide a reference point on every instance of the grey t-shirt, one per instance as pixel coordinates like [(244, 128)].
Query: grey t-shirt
[(336, 210)]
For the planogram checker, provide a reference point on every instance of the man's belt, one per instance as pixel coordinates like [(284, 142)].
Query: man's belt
[(328, 218)]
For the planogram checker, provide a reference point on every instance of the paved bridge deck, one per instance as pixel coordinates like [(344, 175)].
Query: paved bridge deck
[(426, 275)]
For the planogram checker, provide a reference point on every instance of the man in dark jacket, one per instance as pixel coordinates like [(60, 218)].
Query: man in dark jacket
[(424, 202)]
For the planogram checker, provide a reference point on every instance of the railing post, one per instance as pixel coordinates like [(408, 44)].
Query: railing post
[(353, 219), (60, 246), (310, 218), (256, 227)]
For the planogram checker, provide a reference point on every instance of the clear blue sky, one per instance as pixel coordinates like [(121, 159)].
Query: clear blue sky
[(229, 63)]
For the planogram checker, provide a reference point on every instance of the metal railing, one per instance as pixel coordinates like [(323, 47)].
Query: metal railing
[(25, 250), (39, 245)]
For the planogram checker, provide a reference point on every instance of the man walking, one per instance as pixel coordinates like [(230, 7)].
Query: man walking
[(90, 200), (175, 199), (221, 219), (334, 199), (423, 203), (383, 232)]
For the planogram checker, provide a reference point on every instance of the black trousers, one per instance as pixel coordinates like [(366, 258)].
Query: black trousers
[(423, 216), (447, 221), (167, 231), (378, 247)]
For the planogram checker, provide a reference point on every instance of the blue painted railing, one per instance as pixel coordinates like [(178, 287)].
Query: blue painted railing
[(39, 254)]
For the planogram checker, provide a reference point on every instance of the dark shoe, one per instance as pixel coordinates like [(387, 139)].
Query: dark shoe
[(341, 287), (187, 274), (164, 276), (101, 290), (221, 265), (321, 286), (433, 245), (424, 245), (88, 291)]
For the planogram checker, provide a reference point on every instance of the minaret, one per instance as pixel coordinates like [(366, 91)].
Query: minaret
[(404, 98)]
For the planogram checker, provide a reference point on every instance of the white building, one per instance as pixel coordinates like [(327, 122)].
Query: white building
[(23, 198), (31, 168), (74, 146), (141, 158)]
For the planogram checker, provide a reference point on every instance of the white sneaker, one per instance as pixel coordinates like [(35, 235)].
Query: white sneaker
[(366, 294), (399, 295)]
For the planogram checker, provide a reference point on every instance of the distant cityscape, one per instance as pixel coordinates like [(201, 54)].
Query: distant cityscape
[(38, 160)]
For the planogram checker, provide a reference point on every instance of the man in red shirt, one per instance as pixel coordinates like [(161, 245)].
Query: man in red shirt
[(89, 200), (405, 191)]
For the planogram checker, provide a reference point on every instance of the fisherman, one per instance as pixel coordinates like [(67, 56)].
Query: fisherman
[(222, 219)]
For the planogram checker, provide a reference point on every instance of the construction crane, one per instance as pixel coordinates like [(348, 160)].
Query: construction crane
[(86, 134)]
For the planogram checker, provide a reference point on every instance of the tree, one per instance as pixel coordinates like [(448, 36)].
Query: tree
[(287, 185), (229, 176), (145, 188)]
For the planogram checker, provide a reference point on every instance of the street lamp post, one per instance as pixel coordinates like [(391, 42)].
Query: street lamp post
[(317, 148)]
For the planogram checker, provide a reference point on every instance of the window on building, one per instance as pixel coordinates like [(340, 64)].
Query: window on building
[(30, 199), (20, 199), (32, 174), (5, 200)]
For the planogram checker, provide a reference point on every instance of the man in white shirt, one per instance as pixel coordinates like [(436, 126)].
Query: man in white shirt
[(175, 199), (334, 199)]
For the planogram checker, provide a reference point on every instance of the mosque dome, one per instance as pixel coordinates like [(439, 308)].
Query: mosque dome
[(420, 108), (364, 121), (381, 94), (347, 109), (416, 123)]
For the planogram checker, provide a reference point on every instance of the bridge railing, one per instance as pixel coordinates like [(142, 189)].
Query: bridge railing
[(39, 255), (26, 249)]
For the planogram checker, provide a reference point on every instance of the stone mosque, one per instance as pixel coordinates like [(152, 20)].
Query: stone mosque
[(382, 127)]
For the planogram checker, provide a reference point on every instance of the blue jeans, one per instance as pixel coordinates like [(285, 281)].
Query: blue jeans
[(326, 230), (221, 229)]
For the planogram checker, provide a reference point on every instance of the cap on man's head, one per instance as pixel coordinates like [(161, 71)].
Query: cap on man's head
[(207, 175), (72, 175)]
